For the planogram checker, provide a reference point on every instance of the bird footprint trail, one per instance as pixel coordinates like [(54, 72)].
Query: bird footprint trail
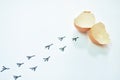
[(45, 59)]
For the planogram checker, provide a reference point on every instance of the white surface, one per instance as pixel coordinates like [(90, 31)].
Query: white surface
[(26, 26)]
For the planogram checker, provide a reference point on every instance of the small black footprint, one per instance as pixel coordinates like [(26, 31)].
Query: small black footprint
[(33, 68), (63, 48), (48, 46), (29, 57), (16, 77), (4, 68), (19, 64), (75, 38), (46, 59), (61, 38)]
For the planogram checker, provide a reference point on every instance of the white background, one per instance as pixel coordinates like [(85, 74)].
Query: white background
[(26, 26)]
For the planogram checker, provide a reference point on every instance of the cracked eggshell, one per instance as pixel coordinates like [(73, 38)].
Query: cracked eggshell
[(84, 21)]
